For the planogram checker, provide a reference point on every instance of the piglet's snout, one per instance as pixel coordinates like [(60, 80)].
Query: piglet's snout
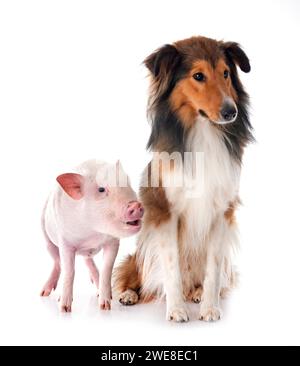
[(134, 211)]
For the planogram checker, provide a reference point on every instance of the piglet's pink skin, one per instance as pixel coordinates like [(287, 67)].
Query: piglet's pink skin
[(84, 214)]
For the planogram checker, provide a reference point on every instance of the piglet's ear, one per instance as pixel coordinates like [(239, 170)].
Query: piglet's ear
[(72, 184)]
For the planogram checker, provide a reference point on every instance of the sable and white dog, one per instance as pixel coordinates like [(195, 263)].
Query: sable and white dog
[(197, 104)]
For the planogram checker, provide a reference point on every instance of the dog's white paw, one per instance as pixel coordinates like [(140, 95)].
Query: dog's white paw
[(178, 314), (128, 297), (210, 313)]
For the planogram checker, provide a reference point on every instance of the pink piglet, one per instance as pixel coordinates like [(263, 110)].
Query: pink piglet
[(89, 210)]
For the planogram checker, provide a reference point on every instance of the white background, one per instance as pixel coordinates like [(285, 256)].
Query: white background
[(72, 87)]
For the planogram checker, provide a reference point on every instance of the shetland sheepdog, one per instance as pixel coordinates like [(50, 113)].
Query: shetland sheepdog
[(197, 104)]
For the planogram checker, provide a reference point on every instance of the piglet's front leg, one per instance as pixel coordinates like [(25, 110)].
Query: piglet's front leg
[(68, 265), (110, 251)]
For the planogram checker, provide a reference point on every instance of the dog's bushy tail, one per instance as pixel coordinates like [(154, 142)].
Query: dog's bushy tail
[(126, 276)]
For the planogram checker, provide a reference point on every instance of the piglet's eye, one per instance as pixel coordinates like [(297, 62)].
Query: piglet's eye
[(101, 189)]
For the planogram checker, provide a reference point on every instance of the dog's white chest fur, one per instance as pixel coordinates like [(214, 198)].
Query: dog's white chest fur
[(217, 183), (203, 215)]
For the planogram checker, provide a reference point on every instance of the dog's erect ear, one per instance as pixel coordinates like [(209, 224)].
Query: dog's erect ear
[(234, 52), (163, 61)]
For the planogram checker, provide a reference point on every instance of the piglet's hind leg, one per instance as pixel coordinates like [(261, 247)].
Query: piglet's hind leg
[(94, 273), (54, 276)]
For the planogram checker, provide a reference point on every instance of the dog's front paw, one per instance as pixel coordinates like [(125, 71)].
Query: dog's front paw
[(210, 313), (178, 314)]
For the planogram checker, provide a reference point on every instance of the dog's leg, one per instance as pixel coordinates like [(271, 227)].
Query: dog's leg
[(166, 238), (216, 248)]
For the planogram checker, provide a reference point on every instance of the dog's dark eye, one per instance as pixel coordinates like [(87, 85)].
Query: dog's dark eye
[(101, 189), (199, 76), (226, 74)]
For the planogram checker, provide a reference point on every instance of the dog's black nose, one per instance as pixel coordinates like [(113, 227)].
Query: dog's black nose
[(229, 112)]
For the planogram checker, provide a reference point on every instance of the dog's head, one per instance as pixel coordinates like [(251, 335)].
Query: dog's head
[(198, 77)]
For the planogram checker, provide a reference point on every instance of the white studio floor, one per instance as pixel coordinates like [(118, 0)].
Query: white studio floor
[(255, 313)]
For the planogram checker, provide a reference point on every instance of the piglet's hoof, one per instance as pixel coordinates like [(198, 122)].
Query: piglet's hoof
[(66, 308), (104, 304)]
